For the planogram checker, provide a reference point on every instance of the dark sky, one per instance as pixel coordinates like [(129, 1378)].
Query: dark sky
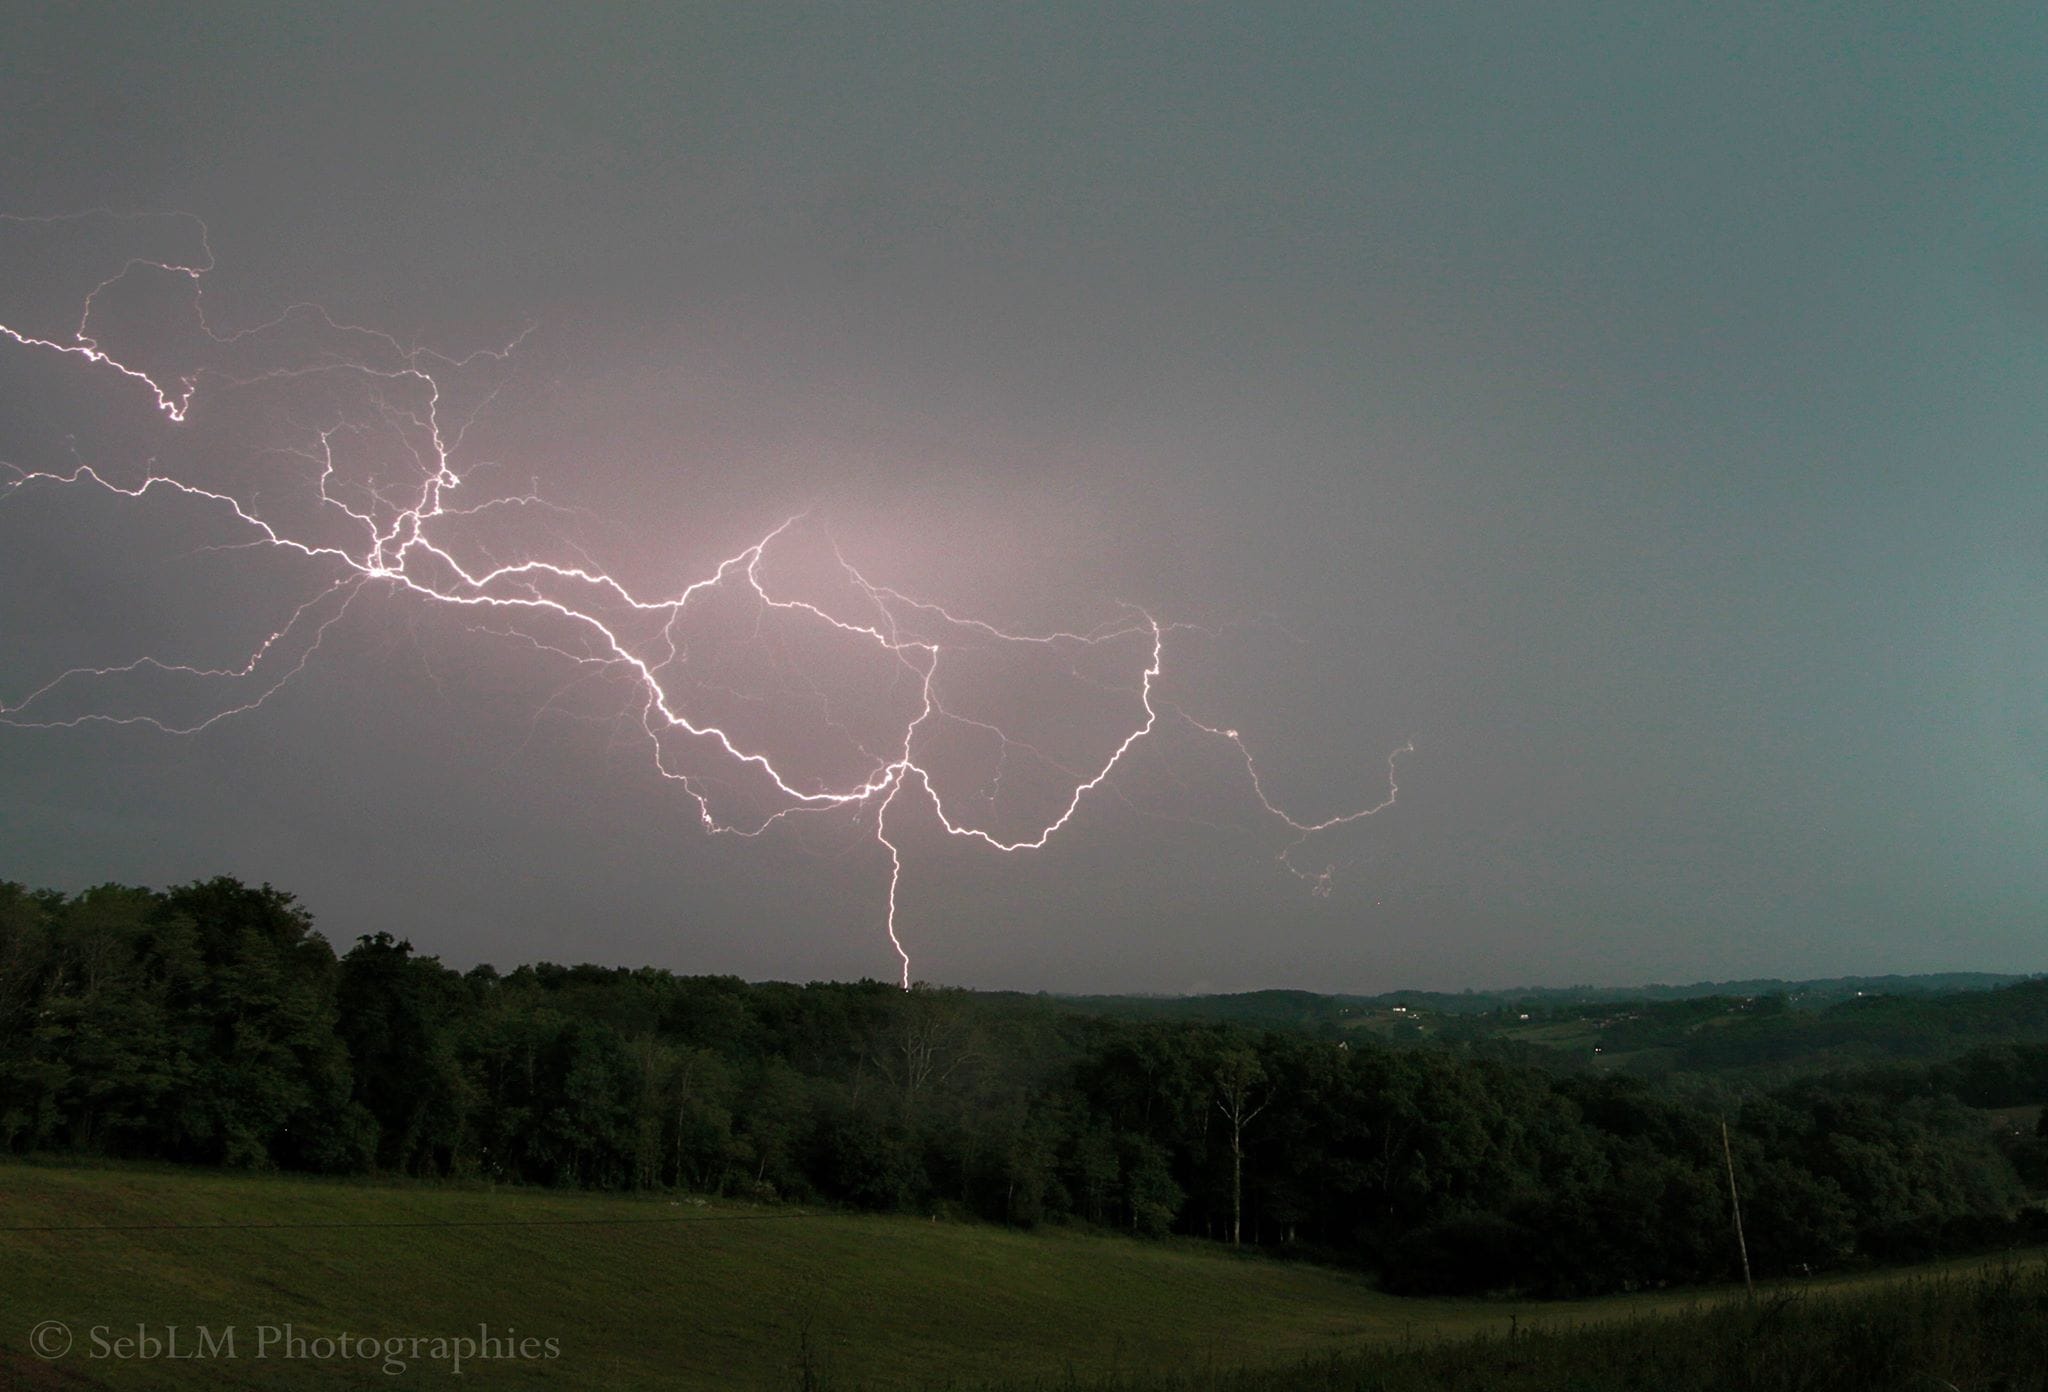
[(1639, 407)]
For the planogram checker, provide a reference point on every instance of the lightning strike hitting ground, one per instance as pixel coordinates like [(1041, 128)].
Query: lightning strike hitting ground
[(366, 501)]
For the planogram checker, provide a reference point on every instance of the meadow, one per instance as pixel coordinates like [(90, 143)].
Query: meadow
[(640, 1292)]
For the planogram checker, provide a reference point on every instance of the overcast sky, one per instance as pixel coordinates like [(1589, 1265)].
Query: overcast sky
[(1639, 407)]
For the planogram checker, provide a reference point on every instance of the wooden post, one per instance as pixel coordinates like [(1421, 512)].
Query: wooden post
[(1735, 1206)]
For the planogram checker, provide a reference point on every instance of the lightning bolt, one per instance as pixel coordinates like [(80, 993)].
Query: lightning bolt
[(367, 498)]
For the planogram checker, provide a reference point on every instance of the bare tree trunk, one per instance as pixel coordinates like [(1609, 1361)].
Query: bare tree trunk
[(1237, 1073), (1236, 1184)]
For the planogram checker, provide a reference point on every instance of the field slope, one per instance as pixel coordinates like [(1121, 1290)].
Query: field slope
[(637, 1293)]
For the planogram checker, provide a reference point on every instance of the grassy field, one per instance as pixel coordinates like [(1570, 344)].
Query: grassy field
[(1981, 1330), (646, 1293)]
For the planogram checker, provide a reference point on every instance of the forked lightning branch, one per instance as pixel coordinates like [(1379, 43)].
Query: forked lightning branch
[(761, 699)]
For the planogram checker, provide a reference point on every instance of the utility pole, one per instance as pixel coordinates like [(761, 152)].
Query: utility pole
[(1735, 1206)]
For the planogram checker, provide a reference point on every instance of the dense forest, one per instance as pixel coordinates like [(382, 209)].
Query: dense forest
[(211, 1024)]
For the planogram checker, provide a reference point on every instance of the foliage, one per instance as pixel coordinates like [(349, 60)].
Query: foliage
[(211, 1024)]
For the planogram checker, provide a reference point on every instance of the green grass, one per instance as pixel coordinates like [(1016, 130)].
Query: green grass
[(648, 1293), (1982, 1331), (1572, 1035)]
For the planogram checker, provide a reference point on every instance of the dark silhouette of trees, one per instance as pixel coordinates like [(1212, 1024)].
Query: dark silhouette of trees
[(210, 1024)]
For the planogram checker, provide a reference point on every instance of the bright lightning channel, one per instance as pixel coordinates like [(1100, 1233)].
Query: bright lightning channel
[(362, 532)]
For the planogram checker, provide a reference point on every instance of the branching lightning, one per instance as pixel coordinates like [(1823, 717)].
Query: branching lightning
[(367, 498)]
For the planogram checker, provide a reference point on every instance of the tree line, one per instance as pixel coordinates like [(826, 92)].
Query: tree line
[(211, 1024)]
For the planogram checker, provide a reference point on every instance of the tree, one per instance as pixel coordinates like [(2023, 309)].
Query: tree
[(30, 1076), (1238, 1075), (395, 1015), (1148, 1188), (271, 1083), (776, 1121), (926, 1042)]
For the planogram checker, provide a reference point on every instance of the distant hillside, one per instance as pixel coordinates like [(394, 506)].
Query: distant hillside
[(1873, 1028), (1783, 1027), (1263, 1009), (1289, 1009), (1817, 992)]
